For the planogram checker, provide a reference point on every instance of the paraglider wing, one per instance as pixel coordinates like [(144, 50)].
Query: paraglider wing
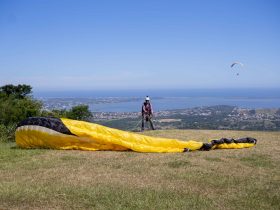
[(55, 133), (235, 63)]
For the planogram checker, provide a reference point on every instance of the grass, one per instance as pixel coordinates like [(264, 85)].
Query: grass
[(218, 179)]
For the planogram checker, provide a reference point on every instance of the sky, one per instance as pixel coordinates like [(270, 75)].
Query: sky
[(147, 44)]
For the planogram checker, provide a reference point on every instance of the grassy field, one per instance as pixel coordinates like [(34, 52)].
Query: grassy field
[(218, 179)]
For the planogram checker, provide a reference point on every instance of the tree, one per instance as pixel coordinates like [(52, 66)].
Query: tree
[(16, 105), (19, 91), (80, 112), (58, 113)]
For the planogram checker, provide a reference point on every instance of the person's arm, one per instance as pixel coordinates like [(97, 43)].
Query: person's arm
[(144, 109)]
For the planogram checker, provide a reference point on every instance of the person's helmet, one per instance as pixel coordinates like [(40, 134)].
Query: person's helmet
[(147, 98)]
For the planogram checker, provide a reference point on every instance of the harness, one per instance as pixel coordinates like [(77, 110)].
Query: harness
[(146, 108)]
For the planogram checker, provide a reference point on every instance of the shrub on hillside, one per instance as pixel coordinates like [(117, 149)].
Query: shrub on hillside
[(80, 112), (7, 133), (17, 104), (13, 110)]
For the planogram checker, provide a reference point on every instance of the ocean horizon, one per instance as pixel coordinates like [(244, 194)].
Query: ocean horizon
[(166, 99), (215, 92)]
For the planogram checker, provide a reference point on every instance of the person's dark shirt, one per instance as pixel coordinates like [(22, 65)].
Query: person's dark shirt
[(147, 108)]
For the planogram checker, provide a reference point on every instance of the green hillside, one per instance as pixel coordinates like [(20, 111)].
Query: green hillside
[(218, 179)]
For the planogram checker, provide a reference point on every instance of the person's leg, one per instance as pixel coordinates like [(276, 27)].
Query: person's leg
[(143, 125), (151, 123)]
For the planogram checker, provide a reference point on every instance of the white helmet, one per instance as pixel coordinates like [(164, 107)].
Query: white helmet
[(147, 98)]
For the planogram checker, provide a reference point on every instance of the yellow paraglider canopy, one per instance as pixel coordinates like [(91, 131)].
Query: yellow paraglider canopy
[(64, 133)]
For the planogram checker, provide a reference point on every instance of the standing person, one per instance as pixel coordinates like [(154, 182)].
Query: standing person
[(147, 113)]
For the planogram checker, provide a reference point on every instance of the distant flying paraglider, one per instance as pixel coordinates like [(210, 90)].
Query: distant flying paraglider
[(237, 63)]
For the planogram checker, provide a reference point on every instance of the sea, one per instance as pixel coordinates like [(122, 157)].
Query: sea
[(254, 98)]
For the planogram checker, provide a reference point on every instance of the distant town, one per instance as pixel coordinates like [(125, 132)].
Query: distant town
[(213, 117), (207, 117)]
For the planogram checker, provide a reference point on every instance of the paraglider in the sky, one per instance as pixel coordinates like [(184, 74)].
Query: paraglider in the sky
[(236, 64)]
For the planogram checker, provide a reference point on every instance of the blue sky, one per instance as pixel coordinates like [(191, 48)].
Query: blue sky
[(147, 44)]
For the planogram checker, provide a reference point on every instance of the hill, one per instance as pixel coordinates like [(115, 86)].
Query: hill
[(220, 179), (220, 117)]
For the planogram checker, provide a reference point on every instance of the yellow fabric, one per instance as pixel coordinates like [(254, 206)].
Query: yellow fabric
[(32, 137), (90, 136), (133, 141)]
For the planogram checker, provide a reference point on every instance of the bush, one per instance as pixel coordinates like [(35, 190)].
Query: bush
[(58, 113), (13, 110), (16, 104), (7, 133), (80, 112)]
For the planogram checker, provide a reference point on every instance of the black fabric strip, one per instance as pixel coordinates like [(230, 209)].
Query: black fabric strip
[(228, 141), (246, 140), (206, 146), (48, 122)]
